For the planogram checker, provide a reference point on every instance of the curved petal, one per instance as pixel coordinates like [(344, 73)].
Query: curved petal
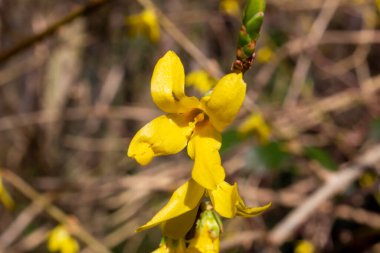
[(203, 148), (178, 227), (167, 134), (243, 210), (168, 86), (225, 100), (224, 198), (228, 203), (183, 200)]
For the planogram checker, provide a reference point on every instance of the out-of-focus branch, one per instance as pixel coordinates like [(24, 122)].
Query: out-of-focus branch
[(21, 222), (73, 225), (211, 66), (304, 61), (337, 183), (292, 122), (30, 41), (45, 116)]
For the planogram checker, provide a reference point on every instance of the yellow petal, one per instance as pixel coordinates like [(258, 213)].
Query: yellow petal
[(167, 134), (135, 24), (168, 84), (231, 7), (57, 238), (256, 124), (201, 80), (145, 23), (70, 245), (228, 203), (152, 27), (225, 100), (224, 199), (178, 227), (304, 247), (243, 210), (183, 200), (204, 148)]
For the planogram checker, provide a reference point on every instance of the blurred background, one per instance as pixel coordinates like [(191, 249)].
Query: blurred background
[(75, 88)]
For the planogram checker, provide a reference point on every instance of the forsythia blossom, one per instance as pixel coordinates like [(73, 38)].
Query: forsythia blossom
[(200, 80), (264, 55), (196, 124), (144, 23), (304, 247), (256, 124), (61, 240), (231, 7), (188, 121)]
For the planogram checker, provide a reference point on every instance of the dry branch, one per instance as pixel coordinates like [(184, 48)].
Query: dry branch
[(30, 41), (337, 183)]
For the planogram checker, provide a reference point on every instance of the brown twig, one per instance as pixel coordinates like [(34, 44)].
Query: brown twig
[(21, 222), (74, 226), (30, 41), (44, 116), (337, 183), (304, 61)]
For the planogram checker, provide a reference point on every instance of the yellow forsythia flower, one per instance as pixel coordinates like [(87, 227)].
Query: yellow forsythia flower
[(61, 240), (145, 23), (200, 80), (188, 121), (264, 55), (5, 198), (304, 247), (231, 7), (196, 124), (255, 123)]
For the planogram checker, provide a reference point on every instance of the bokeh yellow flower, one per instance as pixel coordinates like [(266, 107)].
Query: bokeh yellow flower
[(188, 121), (144, 23), (5, 198), (255, 124), (304, 247), (200, 80), (178, 215), (264, 55), (61, 241), (231, 7)]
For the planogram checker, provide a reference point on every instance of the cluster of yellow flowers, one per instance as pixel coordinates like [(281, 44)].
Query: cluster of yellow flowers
[(197, 125)]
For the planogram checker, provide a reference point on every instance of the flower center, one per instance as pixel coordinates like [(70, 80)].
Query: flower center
[(197, 117)]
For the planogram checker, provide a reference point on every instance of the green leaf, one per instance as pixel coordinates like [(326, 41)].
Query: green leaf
[(321, 156), (270, 156)]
